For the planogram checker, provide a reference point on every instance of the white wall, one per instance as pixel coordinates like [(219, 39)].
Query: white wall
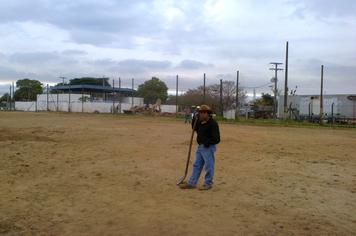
[(61, 103), (136, 100), (61, 97), (168, 108), (340, 103), (230, 114), (25, 106), (75, 106)]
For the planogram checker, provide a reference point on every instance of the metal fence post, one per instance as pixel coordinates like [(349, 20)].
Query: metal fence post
[(47, 99), (69, 110), (332, 113)]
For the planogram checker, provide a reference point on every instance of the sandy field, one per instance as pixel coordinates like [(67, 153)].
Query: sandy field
[(95, 174)]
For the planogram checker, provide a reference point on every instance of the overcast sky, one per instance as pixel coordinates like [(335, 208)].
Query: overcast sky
[(46, 39)]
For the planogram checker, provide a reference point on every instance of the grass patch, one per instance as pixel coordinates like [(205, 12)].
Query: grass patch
[(285, 123)]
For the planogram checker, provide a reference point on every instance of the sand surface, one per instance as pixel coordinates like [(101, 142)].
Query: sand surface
[(94, 174)]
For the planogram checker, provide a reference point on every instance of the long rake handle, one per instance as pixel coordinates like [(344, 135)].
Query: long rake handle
[(190, 147)]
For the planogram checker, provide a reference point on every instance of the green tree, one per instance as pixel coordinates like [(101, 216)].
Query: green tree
[(265, 100), (88, 80), (5, 97), (212, 96), (27, 89), (263, 107), (153, 89), (228, 94)]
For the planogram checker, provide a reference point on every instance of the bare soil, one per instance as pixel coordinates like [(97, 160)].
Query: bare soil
[(94, 174)]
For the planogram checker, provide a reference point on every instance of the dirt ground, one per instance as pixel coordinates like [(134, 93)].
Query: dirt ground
[(94, 174)]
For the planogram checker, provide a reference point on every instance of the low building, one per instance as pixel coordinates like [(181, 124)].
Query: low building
[(96, 92), (304, 106)]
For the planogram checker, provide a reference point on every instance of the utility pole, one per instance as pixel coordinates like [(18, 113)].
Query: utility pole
[(237, 107), (82, 99), (57, 100), (275, 79), (63, 78), (8, 102), (13, 96), (47, 98), (177, 96), (321, 94), (69, 108), (113, 96), (204, 90), (221, 100), (285, 109), (104, 94), (119, 95), (10, 98), (132, 98)]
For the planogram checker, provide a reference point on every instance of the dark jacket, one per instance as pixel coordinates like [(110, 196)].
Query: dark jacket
[(208, 132)]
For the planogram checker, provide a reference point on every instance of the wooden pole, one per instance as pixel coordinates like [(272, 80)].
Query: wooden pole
[(69, 109), (321, 94), (237, 107), (132, 93), (10, 104), (221, 98), (119, 95), (82, 100), (13, 96), (57, 101), (47, 98), (113, 96), (204, 89), (177, 96), (286, 84)]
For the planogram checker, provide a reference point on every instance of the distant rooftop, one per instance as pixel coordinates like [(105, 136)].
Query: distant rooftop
[(91, 88)]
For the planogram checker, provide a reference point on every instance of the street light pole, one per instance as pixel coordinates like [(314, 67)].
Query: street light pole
[(221, 99), (286, 85), (237, 96), (321, 94), (204, 90), (177, 96)]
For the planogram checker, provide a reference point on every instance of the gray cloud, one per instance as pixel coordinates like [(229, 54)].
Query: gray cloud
[(87, 21), (192, 65), (34, 57), (4, 88), (107, 22), (324, 8), (185, 82), (337, 78), (313, 66), (132, 65), (103, 62), (74, 52), (8, 73), (251, 48)]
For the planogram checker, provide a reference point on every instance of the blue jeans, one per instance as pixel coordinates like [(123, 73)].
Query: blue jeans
[(203, 157)]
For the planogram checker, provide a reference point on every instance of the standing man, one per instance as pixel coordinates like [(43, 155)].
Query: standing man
[(208, 136), (187, 115)]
